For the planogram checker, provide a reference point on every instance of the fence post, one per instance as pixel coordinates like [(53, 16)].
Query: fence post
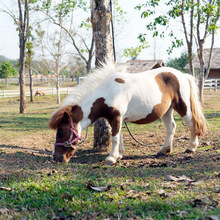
[(4, 93), (52, 90), (67, 90), (216, 85)]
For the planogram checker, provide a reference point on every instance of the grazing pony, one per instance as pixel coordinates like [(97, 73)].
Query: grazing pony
[(39, 93), (119, 96)]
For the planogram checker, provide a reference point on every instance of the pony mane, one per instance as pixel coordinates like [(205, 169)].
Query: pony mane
[(57, 116), (91, 82)]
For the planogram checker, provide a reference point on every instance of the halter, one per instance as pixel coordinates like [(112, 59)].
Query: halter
[(71, 138)]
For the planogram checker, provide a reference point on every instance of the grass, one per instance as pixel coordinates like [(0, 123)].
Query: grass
[(38, 188)]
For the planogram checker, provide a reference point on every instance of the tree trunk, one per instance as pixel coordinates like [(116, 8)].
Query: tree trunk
[(190, 55), (201, 85), (101, 18), (31, 85), (21, 74), (201, 71), (58, 90)]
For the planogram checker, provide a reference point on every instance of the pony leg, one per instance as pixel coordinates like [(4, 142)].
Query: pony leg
[(121, 147), (194, 141), (117, 143), (114, 154), (170, 125)]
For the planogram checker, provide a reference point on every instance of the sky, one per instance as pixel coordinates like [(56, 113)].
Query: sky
[(9, 45)]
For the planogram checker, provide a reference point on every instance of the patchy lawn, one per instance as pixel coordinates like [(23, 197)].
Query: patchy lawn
[(140, 186)]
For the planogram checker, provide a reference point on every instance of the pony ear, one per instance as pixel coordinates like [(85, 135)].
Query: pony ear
[(58, 116), (77, 113)]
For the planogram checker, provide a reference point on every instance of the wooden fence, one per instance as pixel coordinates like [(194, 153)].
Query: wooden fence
[(47, 91), (211, 84)]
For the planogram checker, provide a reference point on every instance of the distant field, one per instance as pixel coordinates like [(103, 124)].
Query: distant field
[(32, 186)]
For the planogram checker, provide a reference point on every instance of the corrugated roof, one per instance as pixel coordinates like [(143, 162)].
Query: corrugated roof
[(215, 64), (135, 66)]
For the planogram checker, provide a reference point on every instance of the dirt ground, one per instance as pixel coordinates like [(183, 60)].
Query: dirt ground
[(20, 153)]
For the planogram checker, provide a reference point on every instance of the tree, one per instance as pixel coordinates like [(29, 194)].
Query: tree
[(101, 18), (179, 62), (65, 9), (23, 26), (29, 54), (134, 52), (6, 71), (24, 30), (207, 15), (203, 17), (54, 54)]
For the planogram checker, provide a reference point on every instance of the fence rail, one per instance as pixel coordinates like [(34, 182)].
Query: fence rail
[(211, 84), (47, 91)]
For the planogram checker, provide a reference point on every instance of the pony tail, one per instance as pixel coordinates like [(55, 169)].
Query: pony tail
[(196, 108)]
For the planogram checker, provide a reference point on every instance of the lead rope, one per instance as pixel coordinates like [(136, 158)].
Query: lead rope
[(84, 137), (146, 145)]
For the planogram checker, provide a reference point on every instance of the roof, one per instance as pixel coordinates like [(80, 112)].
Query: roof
[(215, 64), (135, 66)]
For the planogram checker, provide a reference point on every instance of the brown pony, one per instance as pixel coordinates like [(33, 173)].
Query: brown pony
[(139, 98)]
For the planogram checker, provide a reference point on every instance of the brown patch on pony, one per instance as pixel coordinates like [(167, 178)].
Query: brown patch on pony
[(169, 87), (119, 80), (100, 109), (75, 112)]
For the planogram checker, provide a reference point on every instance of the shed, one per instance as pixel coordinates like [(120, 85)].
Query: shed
[(215, 64), (135, 66)]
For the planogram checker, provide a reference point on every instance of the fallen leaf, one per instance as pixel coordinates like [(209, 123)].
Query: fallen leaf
[(163, 193), (132, 194), (217, 190), (213, 217), (178, 178), (90, 185), (5, 188), (52, 172), (3, 210)]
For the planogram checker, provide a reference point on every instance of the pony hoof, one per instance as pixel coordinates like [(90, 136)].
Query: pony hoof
[(120, 157), (188, 151), (160, 154), (110, 161)]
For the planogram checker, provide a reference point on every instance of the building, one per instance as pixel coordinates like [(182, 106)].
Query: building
[(135, 66), (215, 64)]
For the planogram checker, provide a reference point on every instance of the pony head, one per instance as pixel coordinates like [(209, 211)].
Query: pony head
[(65, 121)]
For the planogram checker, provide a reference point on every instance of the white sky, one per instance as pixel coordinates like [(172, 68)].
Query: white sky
[(9, 45)]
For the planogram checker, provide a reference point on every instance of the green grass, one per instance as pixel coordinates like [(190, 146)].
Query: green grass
[(41, 189), (64, 194)]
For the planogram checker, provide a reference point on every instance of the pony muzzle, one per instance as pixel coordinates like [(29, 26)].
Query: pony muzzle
[(63, 154)]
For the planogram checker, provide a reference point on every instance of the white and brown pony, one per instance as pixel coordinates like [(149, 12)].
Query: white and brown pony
[(119, 96)]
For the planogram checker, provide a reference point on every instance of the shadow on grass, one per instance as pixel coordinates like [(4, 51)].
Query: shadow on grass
[(200, 165), (25, 123), (26, 149), (64, 192)]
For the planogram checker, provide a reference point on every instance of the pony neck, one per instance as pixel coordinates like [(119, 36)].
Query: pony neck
[(84, 123)]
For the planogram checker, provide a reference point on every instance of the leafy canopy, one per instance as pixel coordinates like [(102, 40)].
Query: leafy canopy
[(6, 70)]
